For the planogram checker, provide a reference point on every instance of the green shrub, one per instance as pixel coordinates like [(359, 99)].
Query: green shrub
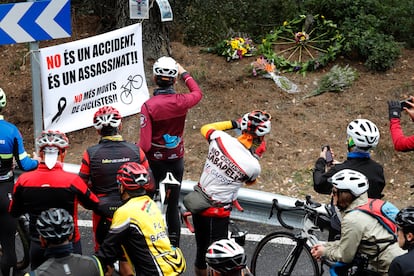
[(206, 22)]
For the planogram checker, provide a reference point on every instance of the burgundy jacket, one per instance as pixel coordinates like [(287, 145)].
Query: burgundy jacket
[(165, 113)]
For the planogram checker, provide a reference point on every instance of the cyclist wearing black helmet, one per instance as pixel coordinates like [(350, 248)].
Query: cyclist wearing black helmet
[(226, 258), (55, 227), (163, 118), (404, 265), (138, 228), (11, 149)]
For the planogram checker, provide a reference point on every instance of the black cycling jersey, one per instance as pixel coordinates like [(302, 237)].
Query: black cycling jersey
[(371, 169), (101, 162), (402, 265)]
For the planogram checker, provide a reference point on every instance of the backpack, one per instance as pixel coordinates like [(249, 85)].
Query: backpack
[(384, 211)]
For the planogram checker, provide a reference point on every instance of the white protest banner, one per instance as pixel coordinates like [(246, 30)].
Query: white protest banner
[(80, 77)]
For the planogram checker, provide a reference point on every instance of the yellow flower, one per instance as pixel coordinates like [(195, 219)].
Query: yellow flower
[(285, 23), (234, 44)]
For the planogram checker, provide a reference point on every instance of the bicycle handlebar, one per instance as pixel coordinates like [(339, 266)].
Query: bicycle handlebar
[(308, 206)]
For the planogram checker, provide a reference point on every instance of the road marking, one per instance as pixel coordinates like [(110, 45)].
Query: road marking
[(184, 231)]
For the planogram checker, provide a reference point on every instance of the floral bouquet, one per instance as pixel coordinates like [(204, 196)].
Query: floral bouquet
[(267, 69), (234, 48), (263, 67)]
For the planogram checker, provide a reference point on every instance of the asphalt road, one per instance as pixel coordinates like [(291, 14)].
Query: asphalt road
[(255, 233)]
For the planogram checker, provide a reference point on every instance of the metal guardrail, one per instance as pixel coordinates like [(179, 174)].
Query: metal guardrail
[(256, 204)]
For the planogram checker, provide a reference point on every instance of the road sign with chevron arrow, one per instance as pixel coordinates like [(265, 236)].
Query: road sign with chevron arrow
[(34, 21)]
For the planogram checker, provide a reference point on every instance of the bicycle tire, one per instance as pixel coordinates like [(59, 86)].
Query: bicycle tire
[(274, 250), (22, 247)]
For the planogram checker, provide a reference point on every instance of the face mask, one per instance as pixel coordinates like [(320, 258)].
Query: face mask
[(51, 155)]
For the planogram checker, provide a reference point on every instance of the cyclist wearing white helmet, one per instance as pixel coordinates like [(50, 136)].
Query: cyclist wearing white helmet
[(361, 233), (55, 227), (226, 258), (401, 142), (362, 136), (50, 186), (163, 119), (231, 162), (403, 265), (11, 149)]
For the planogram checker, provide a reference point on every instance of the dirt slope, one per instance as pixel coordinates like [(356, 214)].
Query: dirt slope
[(300, 126)]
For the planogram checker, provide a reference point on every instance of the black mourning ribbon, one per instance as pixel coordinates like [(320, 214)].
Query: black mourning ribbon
[(61, 107)]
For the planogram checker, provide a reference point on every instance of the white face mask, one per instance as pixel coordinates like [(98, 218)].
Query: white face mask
[(51, 156)]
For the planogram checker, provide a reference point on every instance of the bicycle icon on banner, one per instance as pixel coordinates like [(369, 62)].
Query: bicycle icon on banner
[(134, 82)]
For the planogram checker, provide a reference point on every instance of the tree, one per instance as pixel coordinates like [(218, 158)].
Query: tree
[(155, 34)]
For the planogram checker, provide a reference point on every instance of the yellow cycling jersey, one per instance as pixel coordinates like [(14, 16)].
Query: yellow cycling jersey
[(138, 226)]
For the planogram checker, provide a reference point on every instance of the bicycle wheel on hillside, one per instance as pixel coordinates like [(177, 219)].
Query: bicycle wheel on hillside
[(303, 44), (284, 254)]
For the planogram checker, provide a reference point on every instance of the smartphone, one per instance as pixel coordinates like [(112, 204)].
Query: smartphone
[(328, 157), (405, 103)]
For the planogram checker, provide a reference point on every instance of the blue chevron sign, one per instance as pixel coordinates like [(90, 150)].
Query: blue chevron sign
[(34, 21)]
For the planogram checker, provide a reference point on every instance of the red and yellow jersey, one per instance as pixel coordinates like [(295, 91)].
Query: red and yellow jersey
[(139, 228)]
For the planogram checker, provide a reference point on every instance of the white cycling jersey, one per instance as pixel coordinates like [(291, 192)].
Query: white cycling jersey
[(229, 165)]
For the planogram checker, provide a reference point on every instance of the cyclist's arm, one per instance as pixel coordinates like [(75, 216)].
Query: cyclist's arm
[(401, 142), (143, 159), (22, 158), (85, 171), (86, 197), (346, 248), (195, 95), (110, 249), (207, 129), (320, 177), (16, 205), (146, 129)]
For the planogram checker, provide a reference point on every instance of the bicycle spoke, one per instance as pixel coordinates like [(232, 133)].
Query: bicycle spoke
[(309, 53), (293, 53), (317, 48), (287, 50)]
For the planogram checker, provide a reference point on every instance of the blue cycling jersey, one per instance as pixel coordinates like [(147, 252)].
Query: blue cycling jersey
[(11, 145)]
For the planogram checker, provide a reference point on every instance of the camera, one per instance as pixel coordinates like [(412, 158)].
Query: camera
[(405, 103)]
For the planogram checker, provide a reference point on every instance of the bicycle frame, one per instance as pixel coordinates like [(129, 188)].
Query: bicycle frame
[(303, 240)]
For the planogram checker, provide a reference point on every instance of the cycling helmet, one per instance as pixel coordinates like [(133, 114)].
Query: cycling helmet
[(405, 218), (226, 255), (3, 100), (134, 176), (256, 122), (364, 133), (55, 224), (166, 67), (353, 181), (52, 138), (106, 116)]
